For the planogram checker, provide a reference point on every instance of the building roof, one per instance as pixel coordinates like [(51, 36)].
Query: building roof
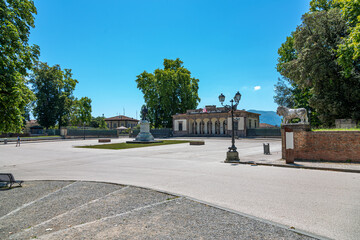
[(32, 122), (265, 125), (121, 117)]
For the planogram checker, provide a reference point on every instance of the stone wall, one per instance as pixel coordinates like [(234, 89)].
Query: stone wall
[(345, 123), (324, 146)]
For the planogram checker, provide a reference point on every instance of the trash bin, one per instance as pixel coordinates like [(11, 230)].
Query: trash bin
[(266, 148), (5, 141)]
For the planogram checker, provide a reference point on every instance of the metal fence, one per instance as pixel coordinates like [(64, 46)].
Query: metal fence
[(263, 132), (91, 133), (52, 132)]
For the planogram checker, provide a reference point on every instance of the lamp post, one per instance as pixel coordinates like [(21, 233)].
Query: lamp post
[(232, 155)]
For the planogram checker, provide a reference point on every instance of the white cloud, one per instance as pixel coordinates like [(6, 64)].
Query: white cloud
[(256, 88)]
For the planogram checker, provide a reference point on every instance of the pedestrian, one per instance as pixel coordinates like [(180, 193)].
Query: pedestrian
[(18, 141)]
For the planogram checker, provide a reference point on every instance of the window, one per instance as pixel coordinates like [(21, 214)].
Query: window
[(180, 126), (236, 125), (249, 123)]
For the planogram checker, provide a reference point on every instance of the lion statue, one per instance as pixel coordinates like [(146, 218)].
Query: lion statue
[(289, 114)]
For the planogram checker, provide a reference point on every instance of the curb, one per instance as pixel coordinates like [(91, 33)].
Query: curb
[(303, 167)]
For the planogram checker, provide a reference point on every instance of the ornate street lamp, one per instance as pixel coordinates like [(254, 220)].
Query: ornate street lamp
[(232, 155)]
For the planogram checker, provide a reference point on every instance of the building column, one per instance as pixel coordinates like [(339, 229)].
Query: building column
[(213, 125), (221, 130)]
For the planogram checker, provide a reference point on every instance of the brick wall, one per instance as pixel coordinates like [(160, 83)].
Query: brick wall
[(327, 146)]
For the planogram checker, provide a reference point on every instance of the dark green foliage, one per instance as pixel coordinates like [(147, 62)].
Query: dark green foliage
[(80, 113), (284, 94), (53, 88), (98, 122), (168, 91), (309, 61), (16, 58)]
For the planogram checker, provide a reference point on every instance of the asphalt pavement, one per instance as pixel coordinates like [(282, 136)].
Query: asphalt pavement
[(324, 203)]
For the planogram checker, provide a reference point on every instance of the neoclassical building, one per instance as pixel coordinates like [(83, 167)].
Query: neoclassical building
[(213, 121)]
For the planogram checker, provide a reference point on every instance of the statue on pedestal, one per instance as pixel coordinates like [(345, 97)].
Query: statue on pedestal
[(289, 114), (144, 136)]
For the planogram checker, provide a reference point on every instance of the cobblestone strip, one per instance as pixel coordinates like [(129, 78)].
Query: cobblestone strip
[(49, 236), (36, 200)]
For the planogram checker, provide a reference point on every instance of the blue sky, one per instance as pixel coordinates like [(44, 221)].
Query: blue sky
[(229, 46)]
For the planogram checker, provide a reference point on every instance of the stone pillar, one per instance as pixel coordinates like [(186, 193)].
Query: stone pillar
[(63, 132), (221, 128), (288, 143)]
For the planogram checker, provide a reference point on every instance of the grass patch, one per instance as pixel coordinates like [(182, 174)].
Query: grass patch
[(117, 146), (335, 129)]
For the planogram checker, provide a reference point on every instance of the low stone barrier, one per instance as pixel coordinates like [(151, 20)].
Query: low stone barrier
[(197, 143), (104, 140)]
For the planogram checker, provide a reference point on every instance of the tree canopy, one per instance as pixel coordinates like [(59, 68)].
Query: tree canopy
[(53, 88), (16, 58), (98, 122), (310, 61), (168, 91), (81, 112)]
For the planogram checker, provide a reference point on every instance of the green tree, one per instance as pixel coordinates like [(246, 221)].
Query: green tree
[(309, 60), (284, 94), (349, 49), (98, 122), (81, 112), (168, 91), (53, 88), (321, 5), (84, 110), (102, 123), (16, 58)]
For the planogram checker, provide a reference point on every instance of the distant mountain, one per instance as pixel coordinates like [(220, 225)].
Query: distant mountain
[(269, 117)]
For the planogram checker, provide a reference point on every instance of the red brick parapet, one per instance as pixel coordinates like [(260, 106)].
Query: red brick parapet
[(343, 146)]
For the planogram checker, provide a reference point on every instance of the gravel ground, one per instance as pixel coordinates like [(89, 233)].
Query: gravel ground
[(10, 200), (89, 210)]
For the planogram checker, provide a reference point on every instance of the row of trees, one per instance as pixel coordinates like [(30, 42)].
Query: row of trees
[(320, 62), (27, 84)]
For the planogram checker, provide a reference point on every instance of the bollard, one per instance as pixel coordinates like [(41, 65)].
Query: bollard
[(266, 148)]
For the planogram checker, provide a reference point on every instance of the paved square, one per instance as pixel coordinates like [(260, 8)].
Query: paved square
[(321, 202)]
